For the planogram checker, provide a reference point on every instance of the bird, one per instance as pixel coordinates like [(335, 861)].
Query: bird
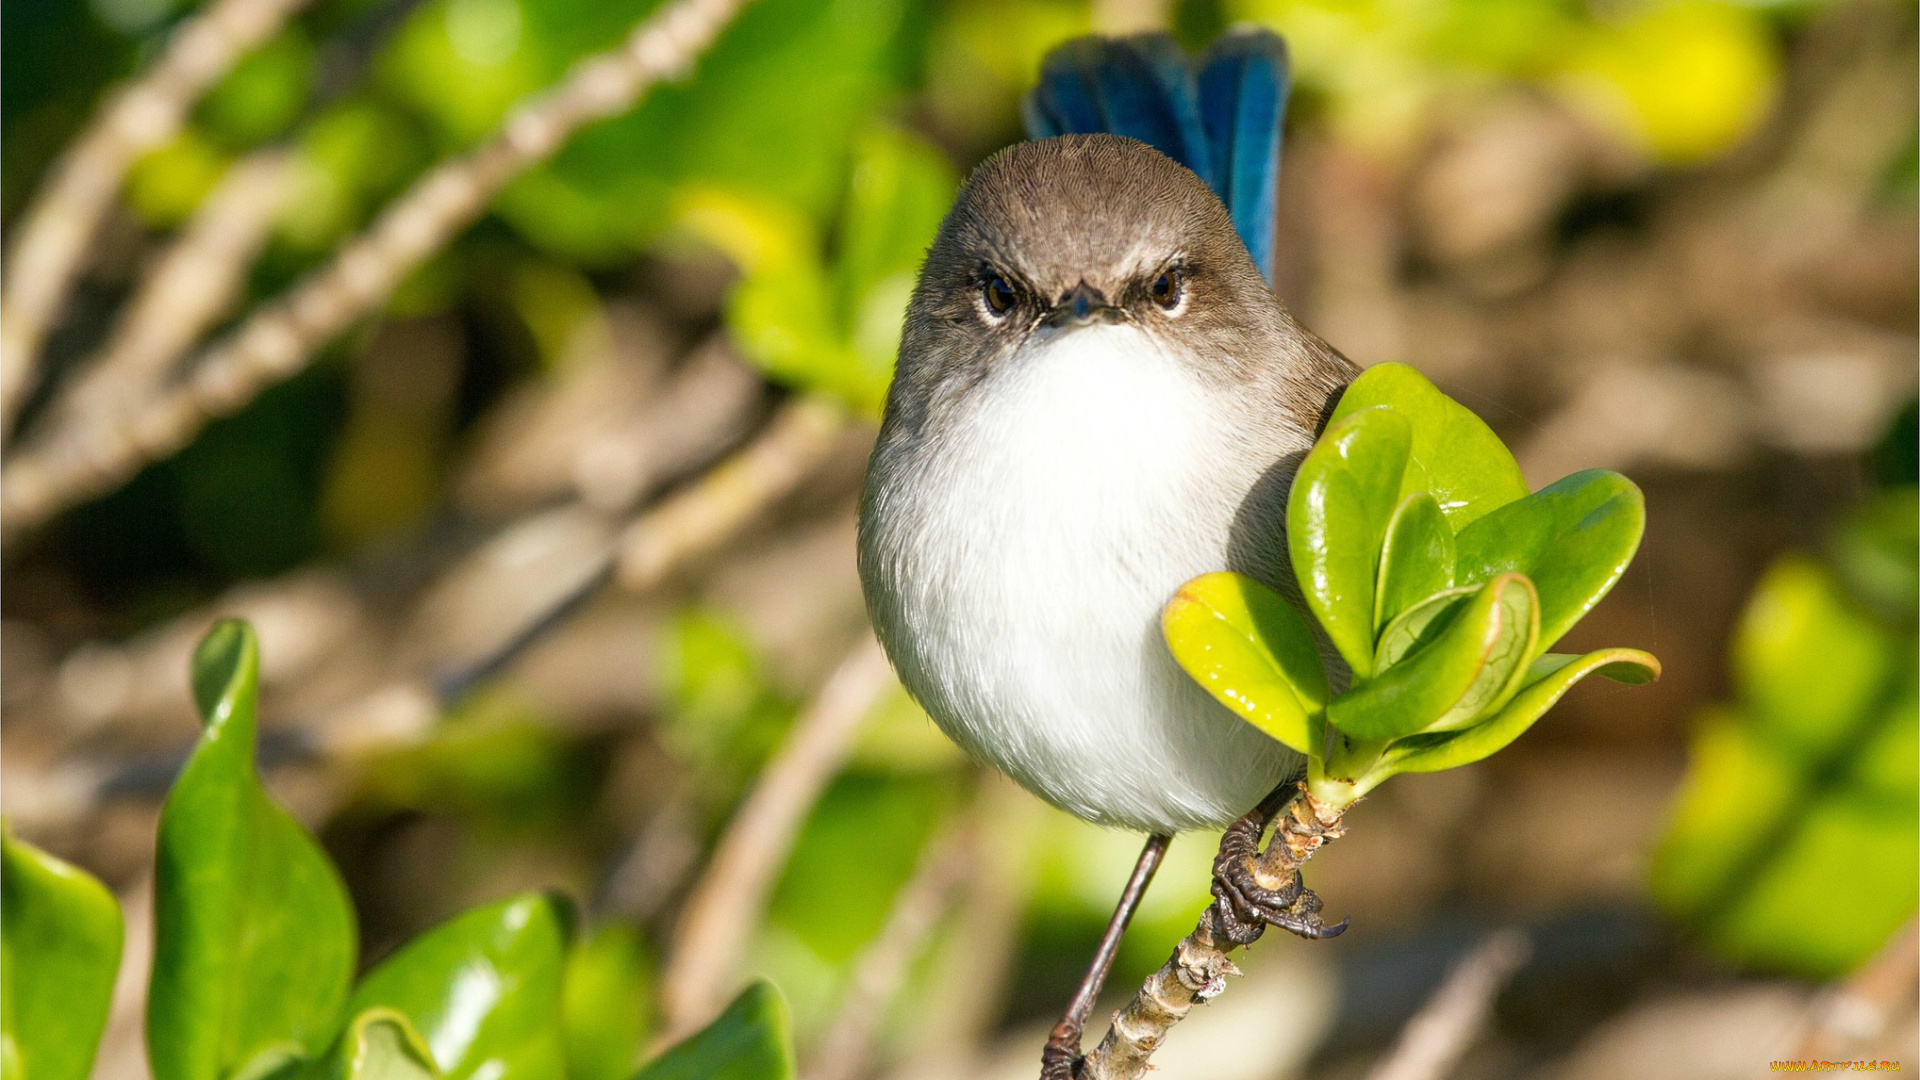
[(1097, 398)]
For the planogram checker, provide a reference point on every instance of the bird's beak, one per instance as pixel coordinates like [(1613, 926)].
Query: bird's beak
[(1081, 305)]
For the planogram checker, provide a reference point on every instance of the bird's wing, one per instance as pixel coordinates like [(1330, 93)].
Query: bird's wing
[(1218, 115)]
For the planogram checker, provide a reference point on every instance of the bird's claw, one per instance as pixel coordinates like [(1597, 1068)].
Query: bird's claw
[(1243, 907)]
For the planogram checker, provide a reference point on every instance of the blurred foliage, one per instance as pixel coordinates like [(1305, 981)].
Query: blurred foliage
[(1683, 80), (493, 760), (815, 150), (824, 197), (833, 328), (1808, 784), (255, 946)]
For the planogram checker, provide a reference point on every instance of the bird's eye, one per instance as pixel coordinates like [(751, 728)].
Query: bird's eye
[(997, 294), (1167, 288)]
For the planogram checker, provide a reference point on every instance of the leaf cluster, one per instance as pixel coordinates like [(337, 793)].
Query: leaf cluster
[(1434, 578), (256, 943)]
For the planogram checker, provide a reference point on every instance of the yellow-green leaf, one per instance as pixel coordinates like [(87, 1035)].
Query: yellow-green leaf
[(1416, 560), (1547, 681), (1573, 538), (1252, 651), (1343, 496), (1449, 679), (1454, 455)]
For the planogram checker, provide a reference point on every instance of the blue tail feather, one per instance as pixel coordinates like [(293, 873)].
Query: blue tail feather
[(1219, 116), (1243, 85)]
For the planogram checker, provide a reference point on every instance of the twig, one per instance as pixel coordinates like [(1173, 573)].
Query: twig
[(1446, 1026), (1860, 1009), (193, 285), (280, 339), (844, 1051), (694, 522), (1198, 969), (969, 975), (726, 903), (685, 526), (56, 229)]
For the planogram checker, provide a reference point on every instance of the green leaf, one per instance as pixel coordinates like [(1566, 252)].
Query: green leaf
[(750, 1041), (1416, 560), (1573, 538), (606, 1002), (1455, 456), (246, 905), (378, 1044), (1449, 680), (1252, 651), (483, 989), (1419, 624), (1343, 497), (1547, 680), (60, 939)]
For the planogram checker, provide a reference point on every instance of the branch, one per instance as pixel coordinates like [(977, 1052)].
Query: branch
[(190, 288), (280, 339), (685, 526), (58, 226), (1447, 1025), (1197, 972), (881, 969), (1864, 1007), (726, 903), (696, 521)]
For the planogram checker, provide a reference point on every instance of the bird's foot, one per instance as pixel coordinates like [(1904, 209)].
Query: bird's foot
[(1060, 1059), (1244, 905)]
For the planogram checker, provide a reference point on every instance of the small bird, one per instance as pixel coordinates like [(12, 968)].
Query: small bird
[(1097, 398)]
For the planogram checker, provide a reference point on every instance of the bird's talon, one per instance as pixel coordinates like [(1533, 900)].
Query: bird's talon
[(1244, 907)]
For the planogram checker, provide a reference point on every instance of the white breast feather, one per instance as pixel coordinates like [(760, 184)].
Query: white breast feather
[(1092, 478)]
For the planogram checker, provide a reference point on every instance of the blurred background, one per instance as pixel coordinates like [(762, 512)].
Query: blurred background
[(551, 554)]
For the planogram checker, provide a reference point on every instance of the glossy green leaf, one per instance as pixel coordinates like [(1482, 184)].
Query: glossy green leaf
[(246, 905), (483, 989), (1252, 651), (1573, 538), (1343, 496), (1455, 456), (606, 1002), (1416, 560), (60, 939), (1419, 624), (1547, 680), (750, 1041), (377, 1044), (1447, 681)]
